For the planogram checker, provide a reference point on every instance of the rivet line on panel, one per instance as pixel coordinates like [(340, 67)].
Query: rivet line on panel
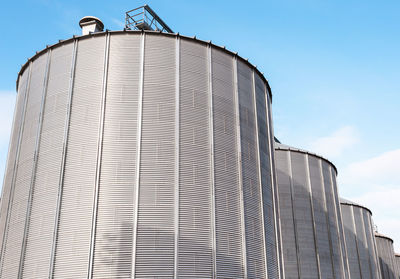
[(138, 153), (274, 187), (355, 239), (15, 168), (239, 153), (341, 234), (312, 213), (289, 158), (34, 167), (64, 153), (177, 165), (212, 165), (99, 155), (259, 173), (339, 231), (328, 227), (366, 240)]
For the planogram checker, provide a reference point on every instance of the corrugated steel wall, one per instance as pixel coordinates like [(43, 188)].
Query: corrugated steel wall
[(140, 155), (386, 257), (310, 217), (397, 261), (360, 241)]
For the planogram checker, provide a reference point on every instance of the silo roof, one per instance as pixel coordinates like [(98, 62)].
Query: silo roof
[(223, 48), (383, 236), (281, 146), (348, 202)]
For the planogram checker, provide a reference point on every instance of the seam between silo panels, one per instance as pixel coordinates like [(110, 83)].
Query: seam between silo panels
[(312, 214), (340, 229), (138, 154), (177, 166), (259, 173), (366, 240), (239, 153), (275, 190), (12, 187), (289, 158), (328, 226), (376, 257), (64, 152), (99, 155), (211, 140), (355, 239), (34, 168)]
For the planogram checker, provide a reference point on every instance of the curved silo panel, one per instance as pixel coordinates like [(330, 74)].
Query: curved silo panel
[(360, 240), (386, 256), (140, 154), (397, 261), (312, 236)]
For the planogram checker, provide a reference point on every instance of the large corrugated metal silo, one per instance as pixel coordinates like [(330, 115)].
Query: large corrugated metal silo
[(140, 154), (360, 241), (311, 227), (397, 261), (386, 256)]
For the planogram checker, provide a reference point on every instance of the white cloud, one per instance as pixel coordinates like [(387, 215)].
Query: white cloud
[(335, 144), (118, 23), (375, 183), (384, 204), (383, 169)]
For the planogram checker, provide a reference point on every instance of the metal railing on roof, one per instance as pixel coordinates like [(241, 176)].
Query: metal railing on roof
[(144, 18)]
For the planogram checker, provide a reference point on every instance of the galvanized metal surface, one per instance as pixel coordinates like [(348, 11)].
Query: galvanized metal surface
[(311, 236), (160, 165), (360, 240), (386, 257)]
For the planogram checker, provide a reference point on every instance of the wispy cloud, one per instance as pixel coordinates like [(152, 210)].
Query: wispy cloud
[(335, 144), (375, 183), (118, 23)]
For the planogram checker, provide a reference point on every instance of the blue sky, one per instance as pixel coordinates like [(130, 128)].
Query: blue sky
[(333, 66)]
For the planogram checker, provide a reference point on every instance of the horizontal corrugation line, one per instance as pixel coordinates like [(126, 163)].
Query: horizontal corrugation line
[(15, 229), (195, 239), (304, 223), (251, 188), (73, 242), (12, 151), (332, 208), (361, 243), (113, 242), (350, 235), (286, 214), (320, 218), (155, 233), (45, 188), (226, 180)]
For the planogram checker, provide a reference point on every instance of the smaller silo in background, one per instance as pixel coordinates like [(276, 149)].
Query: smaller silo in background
[(360, 241), (312, 231), (386, 256), (397, 262)]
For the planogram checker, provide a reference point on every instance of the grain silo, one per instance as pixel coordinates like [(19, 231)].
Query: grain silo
[(386, 256), (311, 227), (397, 261), (360, 240), (140, 154)]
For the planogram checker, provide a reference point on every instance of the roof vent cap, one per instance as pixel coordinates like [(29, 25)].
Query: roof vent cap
[(90, 24)]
